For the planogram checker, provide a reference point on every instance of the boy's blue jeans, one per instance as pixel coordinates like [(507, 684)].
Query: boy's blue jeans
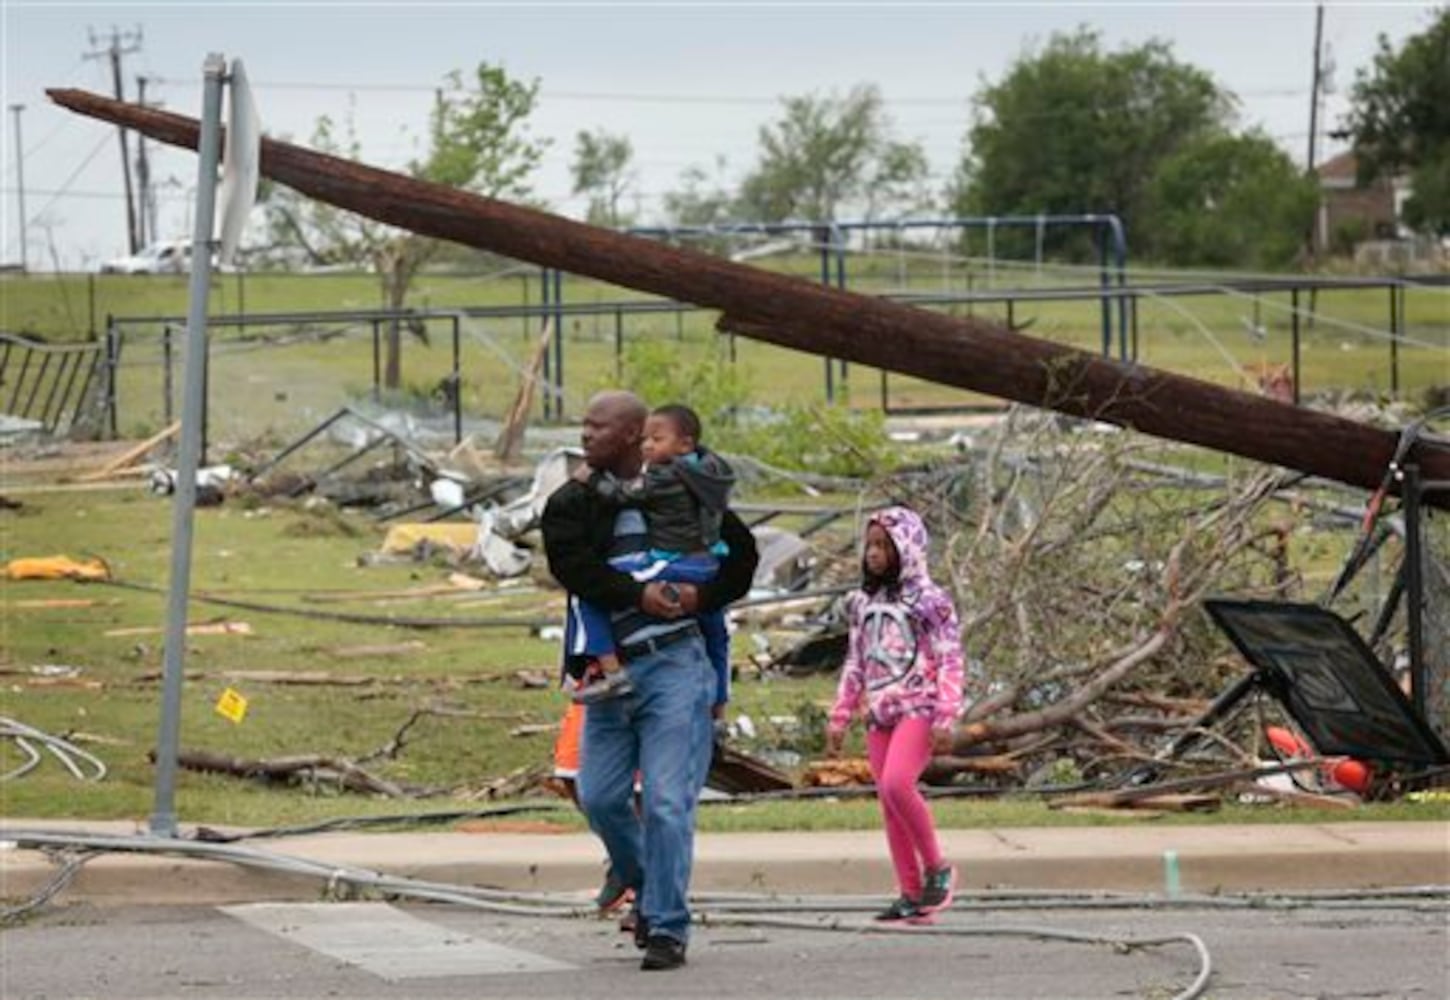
[(663, 731), (588, 629)]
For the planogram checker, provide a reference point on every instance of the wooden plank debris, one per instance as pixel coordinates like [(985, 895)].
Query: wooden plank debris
[(511, 435), (119, 464)]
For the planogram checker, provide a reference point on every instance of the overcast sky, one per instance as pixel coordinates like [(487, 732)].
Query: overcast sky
[(687, 83)]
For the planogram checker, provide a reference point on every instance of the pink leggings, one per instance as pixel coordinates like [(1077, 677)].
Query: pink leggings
[(898, 756)]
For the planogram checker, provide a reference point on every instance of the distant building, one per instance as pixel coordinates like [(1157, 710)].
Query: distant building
[(1351, 213)]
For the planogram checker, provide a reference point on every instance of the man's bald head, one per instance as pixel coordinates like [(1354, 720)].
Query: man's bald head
[(613, 425), (620, 404)]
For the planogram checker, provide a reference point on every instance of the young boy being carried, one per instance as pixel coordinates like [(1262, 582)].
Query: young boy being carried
[(682, 493)]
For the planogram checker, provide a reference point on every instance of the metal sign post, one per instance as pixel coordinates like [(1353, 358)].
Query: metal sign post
[(163, 815)]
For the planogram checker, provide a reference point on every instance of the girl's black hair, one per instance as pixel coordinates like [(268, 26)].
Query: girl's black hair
[(891, 579)]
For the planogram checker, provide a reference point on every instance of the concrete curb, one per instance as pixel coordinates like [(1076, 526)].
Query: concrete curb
[(1126, 859)]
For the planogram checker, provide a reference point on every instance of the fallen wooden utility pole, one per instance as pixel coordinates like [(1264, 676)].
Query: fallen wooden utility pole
[(794, 313)]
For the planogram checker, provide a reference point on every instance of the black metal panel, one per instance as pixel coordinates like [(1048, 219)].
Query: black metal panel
[(1320, 669)]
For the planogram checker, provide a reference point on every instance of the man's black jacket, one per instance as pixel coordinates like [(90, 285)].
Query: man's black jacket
[(578, 528)]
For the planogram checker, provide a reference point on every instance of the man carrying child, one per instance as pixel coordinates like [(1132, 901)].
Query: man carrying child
[(682, 492), (661, 730)]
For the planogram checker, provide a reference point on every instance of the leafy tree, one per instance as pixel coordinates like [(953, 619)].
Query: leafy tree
[(602, 170), (1399, 120), (1225, 200), (477, 141), (702, 200), (827, 153), (1074, 129)]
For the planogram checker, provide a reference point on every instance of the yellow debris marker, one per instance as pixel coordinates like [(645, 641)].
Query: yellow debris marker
[(232, 705)]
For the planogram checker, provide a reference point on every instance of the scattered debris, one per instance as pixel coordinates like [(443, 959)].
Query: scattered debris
[(310, 769), (511, 436), (836, 773), (211, 483), (737, 773), (202, 628), (1164, 802), (384, 649), (409, 539), (57, 568), (71, 757), (122, 463), (515, 784)]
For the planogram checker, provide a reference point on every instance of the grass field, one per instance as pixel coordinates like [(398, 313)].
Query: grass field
[(274, 383)]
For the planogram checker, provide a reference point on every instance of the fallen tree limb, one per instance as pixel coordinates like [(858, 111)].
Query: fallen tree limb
[(306, 767)]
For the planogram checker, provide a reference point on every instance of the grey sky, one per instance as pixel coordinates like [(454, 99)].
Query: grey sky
[(686, 83)]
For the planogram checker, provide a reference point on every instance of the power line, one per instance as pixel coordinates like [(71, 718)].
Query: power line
[(627, 97), (61, 191)]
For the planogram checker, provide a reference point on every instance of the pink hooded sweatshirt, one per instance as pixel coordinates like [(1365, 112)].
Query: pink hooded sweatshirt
[(904, 654)]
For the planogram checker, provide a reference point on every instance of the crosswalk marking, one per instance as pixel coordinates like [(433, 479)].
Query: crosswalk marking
[(387, 942)]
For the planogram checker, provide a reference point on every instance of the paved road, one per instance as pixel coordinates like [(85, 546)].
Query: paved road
[(283, 951)]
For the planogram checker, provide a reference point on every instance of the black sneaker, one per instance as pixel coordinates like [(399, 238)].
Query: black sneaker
[(938, 888), (903, 908), (615, 685), (663, 952)]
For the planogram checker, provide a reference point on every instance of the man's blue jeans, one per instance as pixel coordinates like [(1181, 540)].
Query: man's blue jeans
[(663, 730)]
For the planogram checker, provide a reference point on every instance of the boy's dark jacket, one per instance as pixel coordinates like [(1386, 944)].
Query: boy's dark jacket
[(683, 500), (578, 529)]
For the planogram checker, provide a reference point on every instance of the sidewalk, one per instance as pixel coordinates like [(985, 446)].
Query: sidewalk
[(1117, 858)]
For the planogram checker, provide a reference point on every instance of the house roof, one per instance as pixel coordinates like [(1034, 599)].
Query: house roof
[(1339, 168)]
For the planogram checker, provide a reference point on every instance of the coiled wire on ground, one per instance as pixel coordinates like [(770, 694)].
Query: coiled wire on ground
[(25, 737)]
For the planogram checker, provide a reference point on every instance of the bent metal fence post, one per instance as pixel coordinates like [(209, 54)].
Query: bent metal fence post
[(47, 383), (971, 353)]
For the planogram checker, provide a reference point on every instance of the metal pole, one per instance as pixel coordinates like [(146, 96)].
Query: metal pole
[(1414, 586), (1133, 304), (377, 363), (619, 345), (163, 815), (457, 383), (546, 292), (166, 387), (1394, 343), (55, 385), (559, 343), (20, 187), (1294, 337), (113, 362), (823, 235)]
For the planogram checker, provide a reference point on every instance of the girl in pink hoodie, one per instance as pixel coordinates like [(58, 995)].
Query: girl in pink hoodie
[(904, 667)]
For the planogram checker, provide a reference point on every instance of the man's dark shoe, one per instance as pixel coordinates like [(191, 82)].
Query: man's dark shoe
[(634, 923), (663, 952)]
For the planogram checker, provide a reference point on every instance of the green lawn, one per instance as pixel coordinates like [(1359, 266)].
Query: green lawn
[(278, 381), (269, 385)]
